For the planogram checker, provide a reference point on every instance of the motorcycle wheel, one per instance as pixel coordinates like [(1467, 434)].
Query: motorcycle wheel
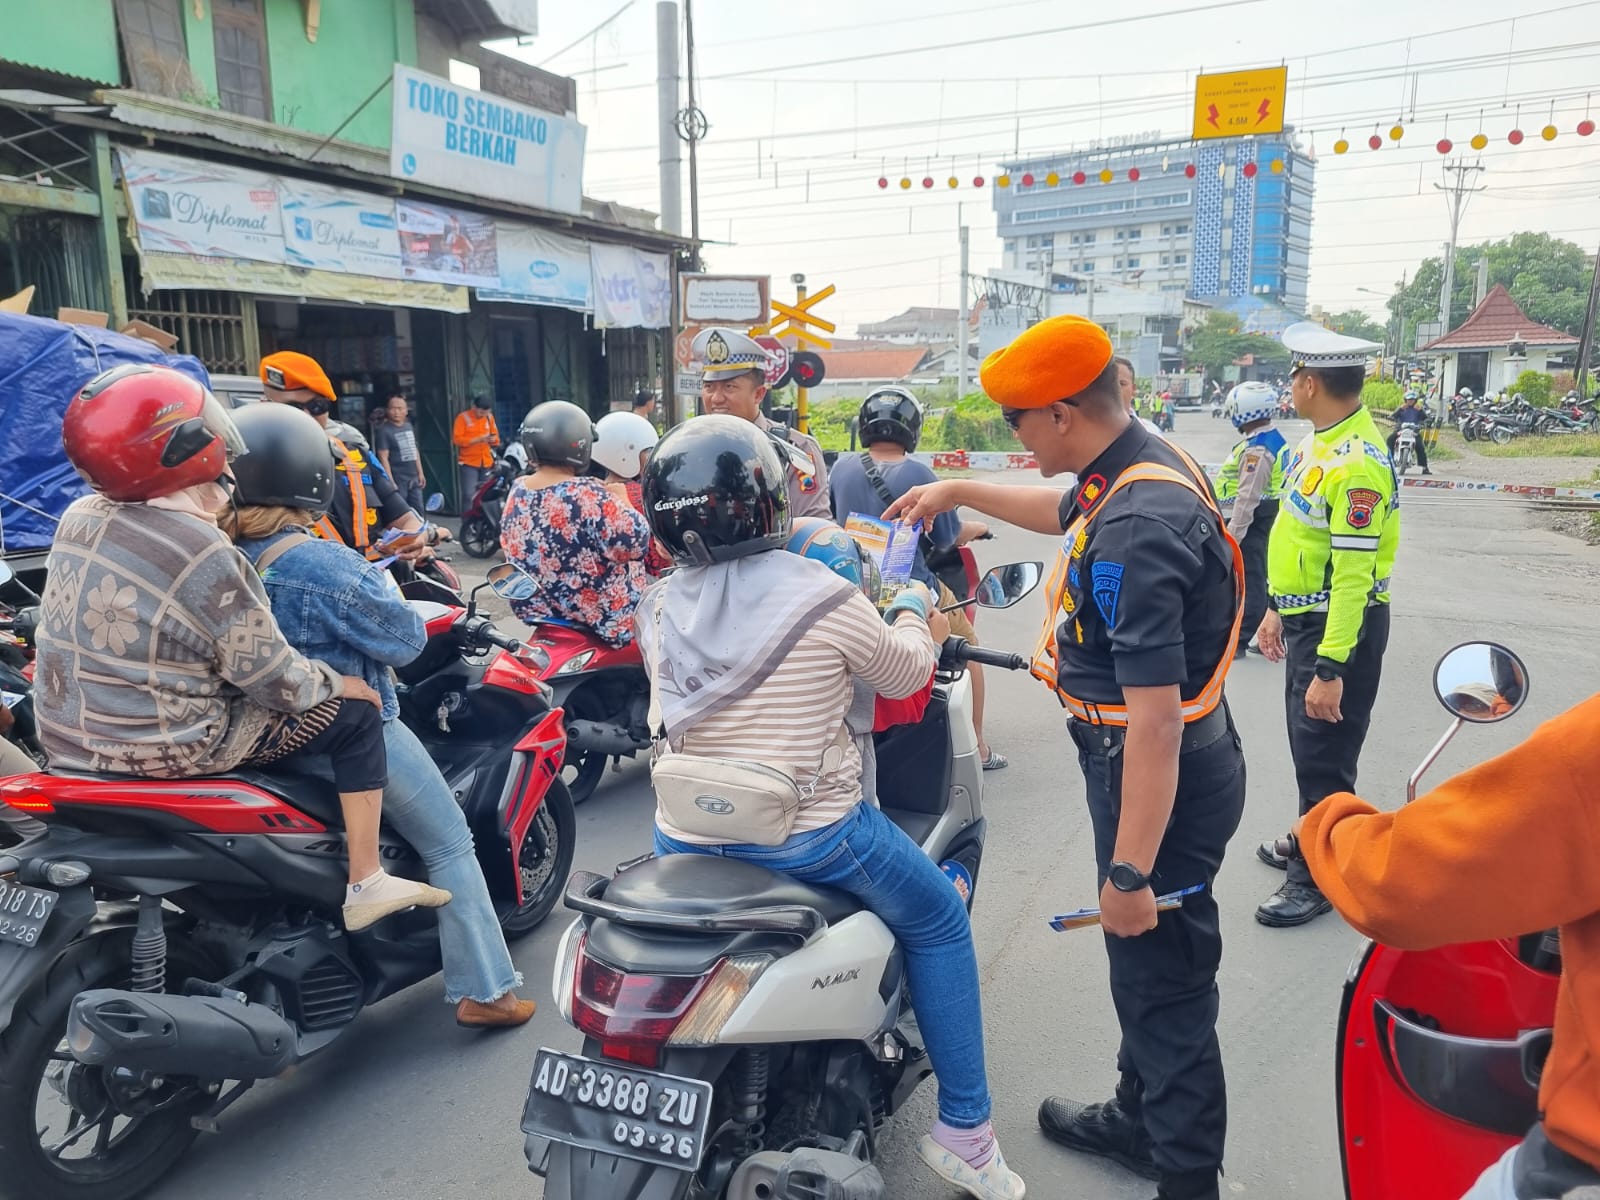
[(1501, 436), (479, 538), (581, 773), (62, 1137), (542, 881), (1469, 431)]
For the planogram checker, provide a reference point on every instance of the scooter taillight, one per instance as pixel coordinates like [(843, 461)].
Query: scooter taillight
[(611, 1005)]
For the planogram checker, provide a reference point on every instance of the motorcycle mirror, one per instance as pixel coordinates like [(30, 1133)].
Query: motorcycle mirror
[(6, 573), (435, 502), (794, 456), (1004, 586), (511, 582), (1481, 682)]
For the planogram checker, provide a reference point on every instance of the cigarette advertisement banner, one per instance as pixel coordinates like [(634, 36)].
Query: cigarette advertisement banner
[(542, 268), (632, 289), (447, 245), (182, 206), (327, 229)]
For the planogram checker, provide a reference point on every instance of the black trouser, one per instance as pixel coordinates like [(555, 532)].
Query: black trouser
[(1164, 983), (348, 732), (1325, 754), (1422, 448), (1254, 549)]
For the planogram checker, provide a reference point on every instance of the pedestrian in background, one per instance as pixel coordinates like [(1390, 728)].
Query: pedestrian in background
[(475, 437), (644, 405), (396, 445), (1328, 566)]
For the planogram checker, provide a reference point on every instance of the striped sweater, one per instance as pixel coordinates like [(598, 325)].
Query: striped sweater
[(158, 653), (793, 717)]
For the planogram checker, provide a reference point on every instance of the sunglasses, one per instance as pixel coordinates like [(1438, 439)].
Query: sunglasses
[(1013, 416)]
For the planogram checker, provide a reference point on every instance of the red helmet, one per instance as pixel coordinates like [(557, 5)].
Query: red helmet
[(139, 431)]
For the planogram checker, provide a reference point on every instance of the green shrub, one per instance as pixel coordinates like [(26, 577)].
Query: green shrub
[(1535, 388), (971, 423), (1382, 396)]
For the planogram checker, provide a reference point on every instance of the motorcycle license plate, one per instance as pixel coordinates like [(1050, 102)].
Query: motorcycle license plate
[(643, 1115), (24, 911)]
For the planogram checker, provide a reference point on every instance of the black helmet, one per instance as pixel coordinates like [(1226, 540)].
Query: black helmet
[(891, 414), (558, 434), (288, 460), (715, 490)]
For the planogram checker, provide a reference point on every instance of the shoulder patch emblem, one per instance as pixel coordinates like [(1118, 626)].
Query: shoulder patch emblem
[(1090, 490), (1106, 578), (1362, 503), (1311, 482)]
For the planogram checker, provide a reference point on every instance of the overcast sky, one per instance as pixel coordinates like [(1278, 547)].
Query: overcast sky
[(940, 88)]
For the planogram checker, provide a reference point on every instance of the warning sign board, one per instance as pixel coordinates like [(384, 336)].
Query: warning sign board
[(1236, 103)]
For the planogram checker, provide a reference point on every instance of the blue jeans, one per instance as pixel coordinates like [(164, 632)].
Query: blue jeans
[(418, 805), (868, 856)]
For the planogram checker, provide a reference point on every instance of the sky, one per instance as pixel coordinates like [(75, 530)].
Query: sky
[(809, 105)]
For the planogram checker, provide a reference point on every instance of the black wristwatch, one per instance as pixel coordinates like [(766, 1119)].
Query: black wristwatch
[(1126, 877), (1328, 670)]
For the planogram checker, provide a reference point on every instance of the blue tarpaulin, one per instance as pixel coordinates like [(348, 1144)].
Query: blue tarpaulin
[(43, 364)]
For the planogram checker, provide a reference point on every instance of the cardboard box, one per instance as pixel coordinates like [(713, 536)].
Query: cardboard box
[(18, 303), (83, 316), (151, 333)]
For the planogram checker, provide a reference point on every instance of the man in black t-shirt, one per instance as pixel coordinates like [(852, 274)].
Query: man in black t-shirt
[(396, 443)]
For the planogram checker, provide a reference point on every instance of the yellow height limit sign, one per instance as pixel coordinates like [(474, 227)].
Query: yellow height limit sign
[(1236, 103)]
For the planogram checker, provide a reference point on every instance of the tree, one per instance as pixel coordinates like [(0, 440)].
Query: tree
[(1356, 323), (1548, 277), (1217, 343)]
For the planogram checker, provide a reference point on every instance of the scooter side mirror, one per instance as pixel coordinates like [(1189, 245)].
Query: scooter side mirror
[(1004, 586), (1481, 682), (6, 573), (511, 582), (435, 502)]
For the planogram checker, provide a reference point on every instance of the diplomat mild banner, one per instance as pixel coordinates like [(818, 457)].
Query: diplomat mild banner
[(632, 289), (477, 144), (447, 245), (181, 206), (542, 268), (328, 229)]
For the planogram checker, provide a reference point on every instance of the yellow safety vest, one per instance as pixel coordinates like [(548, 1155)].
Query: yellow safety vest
[(362, 517), (1044, 665)]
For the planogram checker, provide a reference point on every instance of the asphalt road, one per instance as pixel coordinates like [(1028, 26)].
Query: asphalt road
[(409, 1104)]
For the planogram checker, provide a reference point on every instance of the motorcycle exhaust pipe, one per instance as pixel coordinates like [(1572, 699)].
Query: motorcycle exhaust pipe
[(160, 1034), (605, 736)]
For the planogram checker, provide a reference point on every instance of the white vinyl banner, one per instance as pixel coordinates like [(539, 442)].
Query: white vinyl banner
[(181, 206), (327, 229)]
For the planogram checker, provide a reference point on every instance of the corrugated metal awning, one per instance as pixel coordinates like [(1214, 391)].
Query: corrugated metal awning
[(485, 19)]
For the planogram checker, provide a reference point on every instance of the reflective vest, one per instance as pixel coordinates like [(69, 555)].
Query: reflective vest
[(362, 516), (1072, 546), (1269, 441)]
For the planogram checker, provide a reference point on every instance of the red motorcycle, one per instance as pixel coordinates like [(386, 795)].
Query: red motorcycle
[(1440, 1051), (166, 943)]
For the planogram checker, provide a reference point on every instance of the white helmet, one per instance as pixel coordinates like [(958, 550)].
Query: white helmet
[(619, 439), (1249, 402)]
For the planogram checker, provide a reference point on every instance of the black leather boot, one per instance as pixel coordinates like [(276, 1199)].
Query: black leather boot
[(1188, 1185), (1113, 1129), (1293, 904)]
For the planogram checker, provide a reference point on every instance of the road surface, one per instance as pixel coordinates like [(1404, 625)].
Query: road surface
[(408, 1104)]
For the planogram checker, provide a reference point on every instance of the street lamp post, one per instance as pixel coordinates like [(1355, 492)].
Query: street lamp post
[(1388, 331)]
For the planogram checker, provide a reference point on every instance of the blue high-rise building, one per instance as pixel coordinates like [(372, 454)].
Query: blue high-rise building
[(1240, 225)]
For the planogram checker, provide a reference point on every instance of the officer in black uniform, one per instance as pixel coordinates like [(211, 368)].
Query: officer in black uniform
[(1145, 600)]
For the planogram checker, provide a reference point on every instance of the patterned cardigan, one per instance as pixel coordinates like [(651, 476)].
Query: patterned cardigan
[(157, 651)]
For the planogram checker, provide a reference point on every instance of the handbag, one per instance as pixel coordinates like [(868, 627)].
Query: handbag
[(728, 799)]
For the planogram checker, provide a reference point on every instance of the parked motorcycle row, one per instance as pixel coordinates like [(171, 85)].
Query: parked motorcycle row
[(1501, 419)]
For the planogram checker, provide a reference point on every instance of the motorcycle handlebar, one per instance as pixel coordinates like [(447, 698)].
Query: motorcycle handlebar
[(959, 650), (495, 638)]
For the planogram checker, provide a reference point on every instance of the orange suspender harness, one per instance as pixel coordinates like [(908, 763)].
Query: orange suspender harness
[(361, 515), (1044, 656)]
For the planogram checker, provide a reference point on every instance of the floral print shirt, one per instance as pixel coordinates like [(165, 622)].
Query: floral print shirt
[(584, 547)]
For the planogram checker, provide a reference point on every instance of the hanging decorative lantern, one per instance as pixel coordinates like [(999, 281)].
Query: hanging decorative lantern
[(927, 181), (1276, 166), (1585, 127), (1341, 147), (954, 182), (977, 181), (1027, 179), (1052, 179), (1479, 141), (1444, 146), (1079, 178), (1002, 181), (1515, 137), (1189, 171), (1222, 170), (1396, 133), (1249, 170), (905, 184), (1105, 175), (882, 181), (1133, 174), (1164, 161), (1375, 142), (1548, 133)]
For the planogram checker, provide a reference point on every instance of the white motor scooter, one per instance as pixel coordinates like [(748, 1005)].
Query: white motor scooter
[(745, 1034)]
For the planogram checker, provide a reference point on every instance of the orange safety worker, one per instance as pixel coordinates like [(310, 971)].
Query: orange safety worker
[(476, 438)]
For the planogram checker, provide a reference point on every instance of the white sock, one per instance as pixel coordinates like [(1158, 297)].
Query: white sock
[(376, 888)]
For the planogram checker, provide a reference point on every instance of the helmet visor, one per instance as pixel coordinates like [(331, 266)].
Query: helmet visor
[(195, 435)]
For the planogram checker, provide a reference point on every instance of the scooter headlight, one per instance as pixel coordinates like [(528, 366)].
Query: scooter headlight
[(576, 663)]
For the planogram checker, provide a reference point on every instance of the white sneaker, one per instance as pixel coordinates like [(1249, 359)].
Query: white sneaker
[(994, 1181)]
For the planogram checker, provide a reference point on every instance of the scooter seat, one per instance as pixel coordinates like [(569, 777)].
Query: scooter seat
[(707, 884)]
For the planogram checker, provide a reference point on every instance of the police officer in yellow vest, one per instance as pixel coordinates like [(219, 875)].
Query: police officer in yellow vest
[(365, 502), (1328, 568), (1251, 481), (1145, 603)]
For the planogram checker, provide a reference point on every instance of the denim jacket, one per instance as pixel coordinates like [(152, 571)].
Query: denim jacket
[(334, 605)]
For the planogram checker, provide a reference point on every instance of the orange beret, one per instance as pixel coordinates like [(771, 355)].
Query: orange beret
[(289, 369), (1055, 359)]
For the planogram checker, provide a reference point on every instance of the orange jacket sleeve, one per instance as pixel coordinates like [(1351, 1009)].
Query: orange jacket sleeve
[(1507, 848), (462, 431)]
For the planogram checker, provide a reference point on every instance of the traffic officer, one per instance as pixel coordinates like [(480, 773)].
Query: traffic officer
[(365, 501), (1328, 568), (1163, 770), (734, 380), (1252, 480)]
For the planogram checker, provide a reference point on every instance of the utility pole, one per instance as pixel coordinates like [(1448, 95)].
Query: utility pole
[(1586, 339), (1456, 198), (696, 128), (667, 116), (963, 317), (1482, 288)]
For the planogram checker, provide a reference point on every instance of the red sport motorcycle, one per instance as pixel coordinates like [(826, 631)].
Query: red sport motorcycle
[(166, 943), (1440, 1051)]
